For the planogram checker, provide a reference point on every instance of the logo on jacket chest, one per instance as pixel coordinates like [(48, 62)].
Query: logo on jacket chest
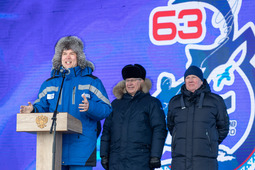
[(50, 96)]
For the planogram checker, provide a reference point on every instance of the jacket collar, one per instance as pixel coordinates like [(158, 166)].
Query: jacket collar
[(205, 88), (120, 89), (72, 72)]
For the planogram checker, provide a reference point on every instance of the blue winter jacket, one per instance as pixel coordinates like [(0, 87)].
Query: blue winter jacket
[(78, 149), (134, 131), (198, 123)]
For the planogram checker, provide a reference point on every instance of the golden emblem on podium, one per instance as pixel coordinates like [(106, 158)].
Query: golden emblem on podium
[(41, 121)]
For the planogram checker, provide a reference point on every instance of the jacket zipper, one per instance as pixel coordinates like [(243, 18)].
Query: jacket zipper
[(173, 143), (73, 97), (209, 140)]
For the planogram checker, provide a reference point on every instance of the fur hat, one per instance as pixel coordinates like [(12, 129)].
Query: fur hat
[(194, 70), (133, 71), (67, 43)]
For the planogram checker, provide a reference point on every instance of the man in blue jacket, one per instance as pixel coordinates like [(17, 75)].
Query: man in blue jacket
[(134, 134), (83, 96)]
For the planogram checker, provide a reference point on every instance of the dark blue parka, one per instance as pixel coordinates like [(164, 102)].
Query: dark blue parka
[(78, 149), (198, 123), (134, 132)]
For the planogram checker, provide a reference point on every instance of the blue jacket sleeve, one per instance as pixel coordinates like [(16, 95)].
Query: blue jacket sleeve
[(41, 105), (106, 137), (99, 104), (158, 125), (222, 121)]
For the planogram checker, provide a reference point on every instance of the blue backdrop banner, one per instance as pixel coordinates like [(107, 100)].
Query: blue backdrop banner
[(166, 37)]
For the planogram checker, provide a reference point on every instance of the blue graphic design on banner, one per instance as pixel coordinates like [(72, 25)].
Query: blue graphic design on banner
[(165, 37), (227, 64)]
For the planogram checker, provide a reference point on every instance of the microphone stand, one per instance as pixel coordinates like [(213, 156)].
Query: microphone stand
[(53, 125)]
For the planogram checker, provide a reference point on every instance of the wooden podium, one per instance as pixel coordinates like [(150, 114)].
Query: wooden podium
[(41, 123)]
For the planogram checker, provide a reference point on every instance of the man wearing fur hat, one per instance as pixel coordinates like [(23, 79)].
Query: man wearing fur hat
[(83, 96), (134, 134), (198, 122)]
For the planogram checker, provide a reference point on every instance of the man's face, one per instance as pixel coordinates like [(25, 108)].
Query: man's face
[(133, 85), (69, 59), (192, 83)]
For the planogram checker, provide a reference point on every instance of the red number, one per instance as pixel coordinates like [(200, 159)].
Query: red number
[(196, 23), (167, 25)]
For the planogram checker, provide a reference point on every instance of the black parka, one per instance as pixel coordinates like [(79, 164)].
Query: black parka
[(198, 123), (134, 132)]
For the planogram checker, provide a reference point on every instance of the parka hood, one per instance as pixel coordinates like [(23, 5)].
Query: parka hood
[(71, 72), (119, 90)]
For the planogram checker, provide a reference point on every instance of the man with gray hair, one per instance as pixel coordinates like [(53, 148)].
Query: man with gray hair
[(134, 134), (83, 96), (198, 121)]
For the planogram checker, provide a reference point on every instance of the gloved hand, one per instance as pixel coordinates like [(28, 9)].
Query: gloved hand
[(155, 162), (105, 162)]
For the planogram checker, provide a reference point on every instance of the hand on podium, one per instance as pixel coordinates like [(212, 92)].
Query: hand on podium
[(26, 109), (85, 104)]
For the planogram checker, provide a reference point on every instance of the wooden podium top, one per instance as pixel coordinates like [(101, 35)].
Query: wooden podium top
[(41, 122)]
